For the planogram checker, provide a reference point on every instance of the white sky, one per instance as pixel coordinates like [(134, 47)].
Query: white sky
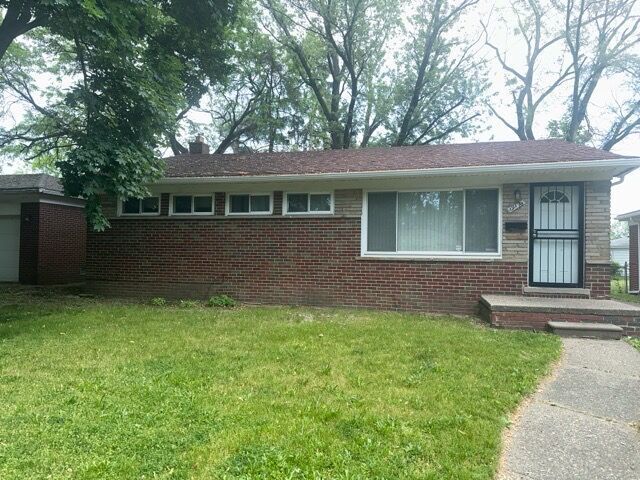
[(625, 197)]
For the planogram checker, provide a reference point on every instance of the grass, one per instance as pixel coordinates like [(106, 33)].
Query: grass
[(618, 292), (100, 390), (634, 341)]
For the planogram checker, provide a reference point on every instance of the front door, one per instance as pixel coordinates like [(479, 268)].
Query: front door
[(555, 246)]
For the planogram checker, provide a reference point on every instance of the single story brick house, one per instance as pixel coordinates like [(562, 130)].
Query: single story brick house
[(42, 231), (633, 218), (428, 228)]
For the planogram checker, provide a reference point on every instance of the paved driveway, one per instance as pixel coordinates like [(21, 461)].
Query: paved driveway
[(585, 423)]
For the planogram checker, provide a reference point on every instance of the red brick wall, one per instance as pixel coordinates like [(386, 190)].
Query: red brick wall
[(29, 221), (52, 244), (282, 260), (634, 275), (62, 244), (300, 260), (597, 278)]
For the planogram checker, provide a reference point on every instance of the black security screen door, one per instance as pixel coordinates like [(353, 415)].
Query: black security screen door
[(555, 246)]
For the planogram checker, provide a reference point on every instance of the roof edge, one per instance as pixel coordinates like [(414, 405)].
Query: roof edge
[(633, 162), (628, 215)]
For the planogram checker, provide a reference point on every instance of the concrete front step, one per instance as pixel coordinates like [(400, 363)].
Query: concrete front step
[(602, 331), (511, 311)]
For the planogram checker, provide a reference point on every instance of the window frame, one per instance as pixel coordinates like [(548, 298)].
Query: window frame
[(121, 212), (285, 203), (441, 255), (193, 196), (227, 204)]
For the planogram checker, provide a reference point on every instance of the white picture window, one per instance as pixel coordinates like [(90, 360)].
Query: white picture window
[(308, 203), (447, 222), (140, 206), (192, 204), (249, 204)]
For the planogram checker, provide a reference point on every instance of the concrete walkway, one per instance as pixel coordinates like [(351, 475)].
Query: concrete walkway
[(584, 423)]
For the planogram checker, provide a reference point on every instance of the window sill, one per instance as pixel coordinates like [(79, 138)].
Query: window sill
[(431, 258), (308, 214)]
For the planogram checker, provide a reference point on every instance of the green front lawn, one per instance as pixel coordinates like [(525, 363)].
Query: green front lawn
[(618, 292), (96, 389)]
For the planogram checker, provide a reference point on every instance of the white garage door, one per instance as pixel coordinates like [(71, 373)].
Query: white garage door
[(9, 248)]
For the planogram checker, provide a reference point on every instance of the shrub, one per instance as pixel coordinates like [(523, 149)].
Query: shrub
[(158, 302), (616, 270), (224, 301), (188, 303)]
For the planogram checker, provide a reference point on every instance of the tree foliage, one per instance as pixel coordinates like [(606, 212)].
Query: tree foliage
[(344, 74), (567, 61), (122, 70)]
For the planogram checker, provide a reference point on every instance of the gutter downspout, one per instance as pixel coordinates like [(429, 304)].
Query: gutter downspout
[(620, 178)]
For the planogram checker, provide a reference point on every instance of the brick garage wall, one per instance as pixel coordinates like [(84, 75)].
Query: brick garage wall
[(52, 244), (634, 273), (62, 244), (29, 227)]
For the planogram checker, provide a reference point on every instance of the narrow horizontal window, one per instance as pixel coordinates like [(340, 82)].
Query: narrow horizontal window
[(182, 203), (260, 203), (448, 222), (249, 204), (131, 206), (308, 203), (192, 204), (203, 204), (141, 206)]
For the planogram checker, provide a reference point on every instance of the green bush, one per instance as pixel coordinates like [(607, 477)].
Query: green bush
[(188, 303), (616, 270), (159, 302), (224, 301)]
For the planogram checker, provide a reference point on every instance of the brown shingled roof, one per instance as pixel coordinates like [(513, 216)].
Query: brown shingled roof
[(31, 182), (382, 159)]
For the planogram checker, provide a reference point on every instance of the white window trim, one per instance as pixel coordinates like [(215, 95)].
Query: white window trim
[(193, 196), (455, 255), (285, 204), (141, 214), (227, 204)]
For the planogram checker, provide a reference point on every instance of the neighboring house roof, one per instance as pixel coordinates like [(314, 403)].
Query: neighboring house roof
[(31, 183), (386, 159), (629, 215), (622, 243)]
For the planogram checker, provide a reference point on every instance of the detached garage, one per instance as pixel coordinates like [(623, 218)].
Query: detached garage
[(42, 231)]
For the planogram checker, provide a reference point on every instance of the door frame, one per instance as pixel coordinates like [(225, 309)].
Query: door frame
[(581, 222)]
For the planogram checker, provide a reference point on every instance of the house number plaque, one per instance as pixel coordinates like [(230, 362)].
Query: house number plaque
[(516, 206)]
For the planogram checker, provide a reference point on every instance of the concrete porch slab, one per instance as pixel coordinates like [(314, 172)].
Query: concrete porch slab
[(584, 306), (512, 311)]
